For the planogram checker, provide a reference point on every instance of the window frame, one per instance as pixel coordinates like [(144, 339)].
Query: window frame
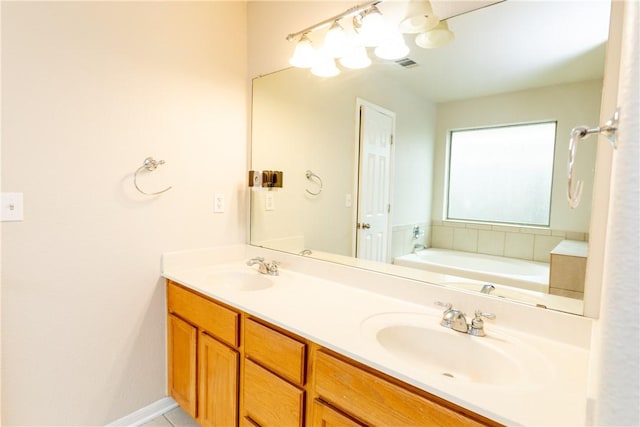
[(447, 189)]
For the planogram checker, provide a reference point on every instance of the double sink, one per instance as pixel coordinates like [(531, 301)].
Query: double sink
[(418, 341)]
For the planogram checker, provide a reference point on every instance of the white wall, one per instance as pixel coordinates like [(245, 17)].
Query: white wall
[(89, 89)]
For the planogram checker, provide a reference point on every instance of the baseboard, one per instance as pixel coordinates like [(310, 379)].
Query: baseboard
[(145, 414)]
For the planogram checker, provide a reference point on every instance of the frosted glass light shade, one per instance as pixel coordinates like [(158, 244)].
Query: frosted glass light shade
[(438, 37), (304, 55), (419, 24), (356, 58), (393, 48), (419, 18), (373, 30), (325, 67), (335, 41)]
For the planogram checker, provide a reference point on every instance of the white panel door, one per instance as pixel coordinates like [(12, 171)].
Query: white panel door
[(376, 139)]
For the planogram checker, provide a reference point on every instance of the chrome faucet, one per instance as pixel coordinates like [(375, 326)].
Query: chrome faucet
[(270, 268), (487, 288), (456, 320)]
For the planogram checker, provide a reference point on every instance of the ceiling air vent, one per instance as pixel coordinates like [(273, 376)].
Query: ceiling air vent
[(407, 62)]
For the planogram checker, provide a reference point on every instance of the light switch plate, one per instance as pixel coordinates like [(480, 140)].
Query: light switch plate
[(218, 203), (12, 208), (269, 201)]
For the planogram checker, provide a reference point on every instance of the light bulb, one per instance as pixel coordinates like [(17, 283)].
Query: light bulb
[(304, 55)]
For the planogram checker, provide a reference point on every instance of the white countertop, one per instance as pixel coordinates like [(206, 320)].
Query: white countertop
[(332, 313)]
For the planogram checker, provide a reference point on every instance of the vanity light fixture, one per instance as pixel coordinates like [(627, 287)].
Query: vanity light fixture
[(370, 27), (369, 30), (356, 58), (392, 48), (304, 53), (335, 41)]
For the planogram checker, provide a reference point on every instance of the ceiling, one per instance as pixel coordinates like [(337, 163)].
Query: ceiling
[(506, 46)]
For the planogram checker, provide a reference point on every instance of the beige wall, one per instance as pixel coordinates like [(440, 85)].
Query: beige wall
[(89, 90), (570, 105), (302, 122)]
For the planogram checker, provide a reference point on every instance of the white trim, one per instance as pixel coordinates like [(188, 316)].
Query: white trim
[(145, 414)]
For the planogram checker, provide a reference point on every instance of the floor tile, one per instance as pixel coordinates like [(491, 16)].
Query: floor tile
[(158, 422), (179, 418)]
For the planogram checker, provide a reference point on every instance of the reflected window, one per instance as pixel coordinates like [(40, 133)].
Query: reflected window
[(501, 174)]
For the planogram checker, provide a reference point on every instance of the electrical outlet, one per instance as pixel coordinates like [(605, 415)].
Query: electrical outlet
[(218, 203), (347, 201)]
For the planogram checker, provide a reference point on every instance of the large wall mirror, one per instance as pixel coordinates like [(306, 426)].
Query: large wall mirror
[(511, 63)]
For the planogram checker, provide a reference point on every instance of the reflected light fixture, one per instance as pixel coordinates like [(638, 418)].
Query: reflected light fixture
[(304, 55), (370, 27), (369, 30), (393, 47), (419, 18), (335, 41), (356, 58), (438, 37), (325, 66)]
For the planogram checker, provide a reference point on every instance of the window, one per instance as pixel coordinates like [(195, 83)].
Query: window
[(501, 174)]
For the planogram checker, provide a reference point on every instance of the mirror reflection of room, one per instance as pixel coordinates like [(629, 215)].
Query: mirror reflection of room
[(473, 187)]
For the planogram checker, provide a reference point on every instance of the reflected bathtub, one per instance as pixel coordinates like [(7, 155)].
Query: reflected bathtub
[(530, 275)]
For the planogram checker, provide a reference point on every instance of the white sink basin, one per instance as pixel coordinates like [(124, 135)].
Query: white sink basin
[(419, 341), (240, 280)]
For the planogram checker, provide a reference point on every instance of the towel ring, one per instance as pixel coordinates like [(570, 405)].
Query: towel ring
[(310, 176), (149, 164), (577, 134)]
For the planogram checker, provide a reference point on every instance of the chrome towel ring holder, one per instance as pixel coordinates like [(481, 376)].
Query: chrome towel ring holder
[(577, 134), (314, 178), (149, 164)]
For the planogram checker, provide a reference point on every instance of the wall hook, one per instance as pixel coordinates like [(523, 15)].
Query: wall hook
[(149, 164)]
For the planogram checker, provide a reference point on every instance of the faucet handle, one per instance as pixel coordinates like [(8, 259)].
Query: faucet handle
[(477, 324), (446, 305), (480, 314)]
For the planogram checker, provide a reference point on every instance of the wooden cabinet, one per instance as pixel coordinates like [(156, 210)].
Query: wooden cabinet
[(269, 400), (227, 368), (218, 383), (378, 400), (274, 376), (181, 357), (324, 415), (204, 362)]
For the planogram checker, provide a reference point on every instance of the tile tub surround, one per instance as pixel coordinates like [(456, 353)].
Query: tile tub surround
[(528, 243), (343, 296)]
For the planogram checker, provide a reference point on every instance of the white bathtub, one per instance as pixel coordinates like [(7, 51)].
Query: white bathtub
[(519, 273)]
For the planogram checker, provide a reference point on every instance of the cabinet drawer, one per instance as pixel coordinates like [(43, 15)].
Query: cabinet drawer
[(378, 401), (280, 353), (217, 320), (270, 400)]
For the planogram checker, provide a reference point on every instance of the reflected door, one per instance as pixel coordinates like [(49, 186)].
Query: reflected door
[(374, 182)]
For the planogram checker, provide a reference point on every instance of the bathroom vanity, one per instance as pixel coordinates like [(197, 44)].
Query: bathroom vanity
[(248, 349)]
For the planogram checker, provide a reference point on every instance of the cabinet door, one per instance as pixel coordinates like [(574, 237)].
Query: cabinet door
[(218, 383), (181, 349), (270, 401), (326, 416)]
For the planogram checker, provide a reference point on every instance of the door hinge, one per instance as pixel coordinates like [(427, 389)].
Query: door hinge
[(389, 208)]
